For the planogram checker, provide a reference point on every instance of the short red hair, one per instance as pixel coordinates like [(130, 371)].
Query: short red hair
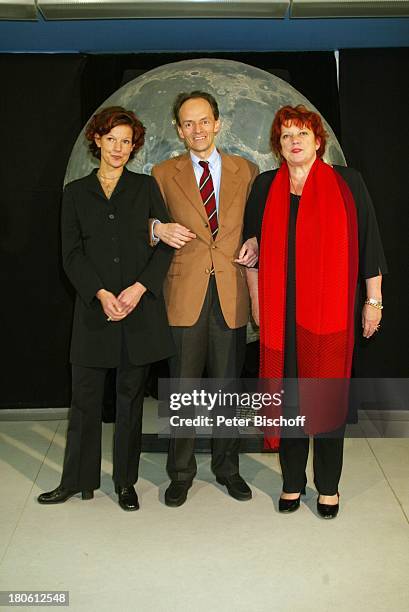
[(298, 115), (106, 119)]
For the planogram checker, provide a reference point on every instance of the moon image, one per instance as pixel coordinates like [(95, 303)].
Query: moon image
[(248, 99)]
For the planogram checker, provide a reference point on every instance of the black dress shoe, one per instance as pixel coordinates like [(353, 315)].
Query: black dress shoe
[(176, 493), (127, 498), (327, 511), (236, 486), (60, 495), (290, 505)]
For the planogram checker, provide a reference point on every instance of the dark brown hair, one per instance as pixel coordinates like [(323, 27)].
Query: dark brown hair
[(300, 116), (184, 97), (108, 118)]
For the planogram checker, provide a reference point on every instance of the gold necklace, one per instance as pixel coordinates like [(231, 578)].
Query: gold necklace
[(294, 190), (108, 178), (108, 188)]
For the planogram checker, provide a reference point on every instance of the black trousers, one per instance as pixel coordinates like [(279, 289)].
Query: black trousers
[(327, 461), (212, 344), (82, 461)]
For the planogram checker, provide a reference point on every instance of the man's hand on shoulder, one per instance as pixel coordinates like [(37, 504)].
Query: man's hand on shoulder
[(248, 255), (173, 234)]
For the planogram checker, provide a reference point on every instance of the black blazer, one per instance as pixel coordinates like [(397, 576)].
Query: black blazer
[(105, 245)]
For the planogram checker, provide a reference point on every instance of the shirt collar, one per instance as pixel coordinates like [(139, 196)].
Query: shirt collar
[(213, 159)]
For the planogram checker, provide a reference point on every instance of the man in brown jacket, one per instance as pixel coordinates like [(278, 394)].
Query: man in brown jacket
[(205, 290)]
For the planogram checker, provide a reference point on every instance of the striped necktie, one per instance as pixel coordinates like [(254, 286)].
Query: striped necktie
[(206, 188)]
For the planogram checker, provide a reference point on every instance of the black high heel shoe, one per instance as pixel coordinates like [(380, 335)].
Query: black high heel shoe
[(327, 511), (290, 505), (60, 495)]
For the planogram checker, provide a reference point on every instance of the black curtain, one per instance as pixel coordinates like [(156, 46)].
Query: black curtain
[(41, 117), (46, 100), (374, 132)]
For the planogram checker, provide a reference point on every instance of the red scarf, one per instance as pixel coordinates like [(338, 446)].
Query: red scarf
[(326, 276)]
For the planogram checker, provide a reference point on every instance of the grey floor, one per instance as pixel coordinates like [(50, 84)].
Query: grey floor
[(214, 553)]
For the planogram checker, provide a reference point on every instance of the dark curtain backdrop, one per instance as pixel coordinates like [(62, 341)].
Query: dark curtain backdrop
[(46, 100), (374, 134), (40, 119)]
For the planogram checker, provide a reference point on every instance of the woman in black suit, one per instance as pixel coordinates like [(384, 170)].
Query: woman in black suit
[(120, 318), (318, 234)]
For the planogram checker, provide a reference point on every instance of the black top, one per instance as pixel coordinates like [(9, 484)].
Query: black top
[(290, 362), (105, 245)]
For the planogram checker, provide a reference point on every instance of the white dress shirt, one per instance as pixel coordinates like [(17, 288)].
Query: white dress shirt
[(215, 167)]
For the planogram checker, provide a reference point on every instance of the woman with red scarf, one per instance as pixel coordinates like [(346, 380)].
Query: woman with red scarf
[(318, 234)]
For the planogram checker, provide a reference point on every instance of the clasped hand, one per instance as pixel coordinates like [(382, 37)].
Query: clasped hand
[(117, 308)]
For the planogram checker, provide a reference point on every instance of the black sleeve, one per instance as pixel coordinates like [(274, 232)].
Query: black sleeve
[(76, 264), (253, 215), (371, 255), (154, 273)]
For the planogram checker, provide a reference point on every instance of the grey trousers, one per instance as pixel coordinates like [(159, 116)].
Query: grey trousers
[(209, 344)]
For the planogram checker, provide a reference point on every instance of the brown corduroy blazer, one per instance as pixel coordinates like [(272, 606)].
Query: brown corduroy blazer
[(188, 276)]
